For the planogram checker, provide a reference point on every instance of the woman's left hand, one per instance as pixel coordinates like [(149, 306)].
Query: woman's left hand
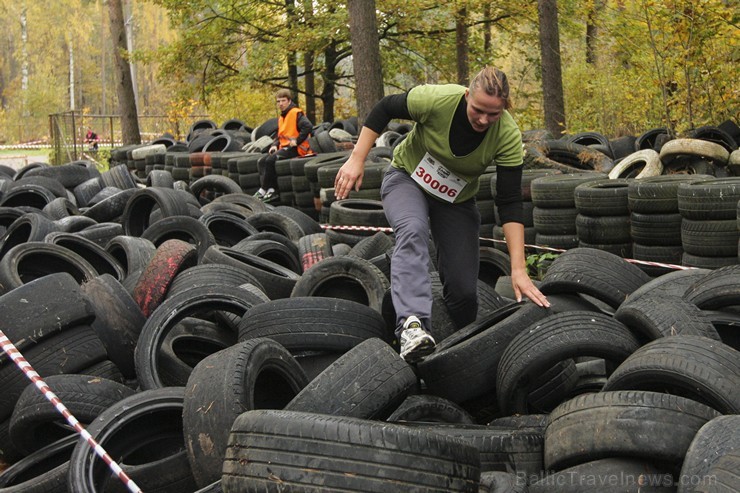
[(523, 286)]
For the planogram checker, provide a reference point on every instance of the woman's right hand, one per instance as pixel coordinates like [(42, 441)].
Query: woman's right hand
[(349, 177)]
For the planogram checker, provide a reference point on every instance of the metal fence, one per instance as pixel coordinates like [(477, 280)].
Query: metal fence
[(68, 129)]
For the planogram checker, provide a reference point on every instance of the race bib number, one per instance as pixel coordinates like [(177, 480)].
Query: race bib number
[(433, 177)]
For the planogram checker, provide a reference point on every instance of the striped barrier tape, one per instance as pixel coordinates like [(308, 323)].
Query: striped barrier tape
[(15, 355), (536, 247)]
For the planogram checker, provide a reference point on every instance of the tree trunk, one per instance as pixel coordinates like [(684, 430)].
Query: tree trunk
[(71, 77), (366, 62), (24, 60), (293, 77), (292, 56), (329, 76), (310, 83), (461, 43), (124, 83), (487, 28), (552, 80), (592, 30), (308, 69)]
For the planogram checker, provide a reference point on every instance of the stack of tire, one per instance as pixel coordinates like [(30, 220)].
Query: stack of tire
[(655, 221), (554, 213), (709, 229), (603, 219)]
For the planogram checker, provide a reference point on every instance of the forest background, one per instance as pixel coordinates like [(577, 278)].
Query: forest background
[(625, 65)]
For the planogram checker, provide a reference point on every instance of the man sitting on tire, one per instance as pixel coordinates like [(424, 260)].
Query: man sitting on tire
[(292, 141)]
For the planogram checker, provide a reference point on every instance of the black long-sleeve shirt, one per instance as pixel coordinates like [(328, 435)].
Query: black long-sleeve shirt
[(463, 140)]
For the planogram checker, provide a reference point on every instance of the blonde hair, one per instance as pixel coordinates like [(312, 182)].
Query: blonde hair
[(493, 82)]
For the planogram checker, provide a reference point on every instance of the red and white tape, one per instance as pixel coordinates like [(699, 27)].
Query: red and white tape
[(536, 247), (15, 355)]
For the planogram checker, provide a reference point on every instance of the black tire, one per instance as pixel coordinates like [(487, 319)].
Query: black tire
[(182, 228), (718, 438), (555, 221), (624, 476), (716, 290), (70, 351), (648, 426), (132, 253), (28, 227), (173, 310), (674, 283), (473, 353), (213, 183), (102, 261), (430, 409), (136, 215), (656, 229), (277, 223), (277, 281), (704, 370), (226, 228), (493, 264), (657, 194), (61, 207), (501, 482), (714, 198), (345, 277), (44, 471), (710, 238), (358, 212), (369, 381), (610, 230), (118, 320), (602, 197), (558, 191), (111, 208), (211, 275), (254, 374), (144, 433), (36, 423), (654, 316), (602, 275), (273, 251), (33, 260), (372, 246), (501, 449), (42, 308), (725, 474), (556, 338), (313, 324), (356, 455)]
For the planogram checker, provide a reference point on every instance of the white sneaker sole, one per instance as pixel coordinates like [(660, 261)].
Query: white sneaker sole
[(419, 351)]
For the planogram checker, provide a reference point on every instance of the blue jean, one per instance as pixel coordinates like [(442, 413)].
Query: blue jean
[(455, 229)]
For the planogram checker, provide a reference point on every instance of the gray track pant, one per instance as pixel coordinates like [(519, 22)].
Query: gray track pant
[(455, 228)]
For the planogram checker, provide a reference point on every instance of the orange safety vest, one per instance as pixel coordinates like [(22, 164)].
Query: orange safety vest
[(288, 129)]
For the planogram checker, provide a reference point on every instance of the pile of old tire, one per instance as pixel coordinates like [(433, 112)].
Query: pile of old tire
[(200, 340)]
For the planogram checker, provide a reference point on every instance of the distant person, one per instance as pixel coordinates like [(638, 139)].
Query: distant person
[(294, 128), (91, 139)]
